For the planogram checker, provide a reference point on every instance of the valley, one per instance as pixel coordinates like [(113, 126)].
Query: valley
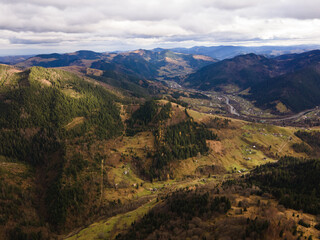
[(266, 116), (233, 105), (159, 120)]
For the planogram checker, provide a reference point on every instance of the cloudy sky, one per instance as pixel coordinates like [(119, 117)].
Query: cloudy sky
[(38, 26)]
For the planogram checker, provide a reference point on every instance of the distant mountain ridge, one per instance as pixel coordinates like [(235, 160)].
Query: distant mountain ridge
[(224, 52), (146, 64), (61, 60), (14, 59)]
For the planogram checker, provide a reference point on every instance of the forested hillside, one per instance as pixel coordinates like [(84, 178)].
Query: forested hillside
[(43, 102), (298, 91), (54, 126), (175, 141), (170, 218), (310, 144), (242, 71), (43, 113)]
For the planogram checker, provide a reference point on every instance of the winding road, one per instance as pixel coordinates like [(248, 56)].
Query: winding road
[(232, 109)]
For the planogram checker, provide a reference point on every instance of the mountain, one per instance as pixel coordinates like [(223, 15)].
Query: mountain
[(242, 71), (297, 87), (136, 63), (223, 52), (144, 64), (298, 91)]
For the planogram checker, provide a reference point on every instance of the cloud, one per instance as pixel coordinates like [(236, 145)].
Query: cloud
[(33, 41), (109, 24)]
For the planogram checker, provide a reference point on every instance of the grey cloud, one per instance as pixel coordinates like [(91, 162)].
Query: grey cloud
[(296, 9), (143, 23), (306, 9), (236, 4), (34, 41), (220, 37)]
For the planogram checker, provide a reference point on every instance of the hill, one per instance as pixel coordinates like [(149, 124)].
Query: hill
[(46, 114)]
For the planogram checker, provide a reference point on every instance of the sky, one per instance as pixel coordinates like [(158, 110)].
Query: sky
[(43, 26)]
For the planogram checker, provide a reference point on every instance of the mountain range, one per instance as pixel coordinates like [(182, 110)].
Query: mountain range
[(146, 64), (283, 77)]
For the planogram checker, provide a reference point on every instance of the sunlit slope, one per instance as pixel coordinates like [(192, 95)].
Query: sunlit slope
[(240, 147)]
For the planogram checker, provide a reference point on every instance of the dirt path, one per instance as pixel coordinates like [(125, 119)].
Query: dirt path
[(101, 183), (282, 147)]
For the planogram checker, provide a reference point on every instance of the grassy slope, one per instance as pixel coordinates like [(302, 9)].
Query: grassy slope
[(242, 136), (109, 228)]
